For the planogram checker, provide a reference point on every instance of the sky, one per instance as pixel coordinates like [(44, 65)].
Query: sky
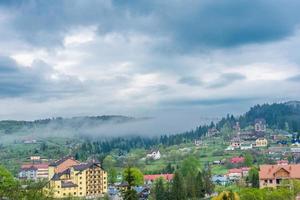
[(180, 60)]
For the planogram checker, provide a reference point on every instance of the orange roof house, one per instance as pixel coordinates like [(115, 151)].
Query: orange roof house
[(151, 178), (272, 175)]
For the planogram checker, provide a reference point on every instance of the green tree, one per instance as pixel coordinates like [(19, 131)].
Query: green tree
[(207, 178), (130, 177), (7, 183), (108, 162), (136, 176), (253, 178), (190, 185), (159, 190), (177, 190), (200, 190), (248, 160), (112, 175), (190, 165)]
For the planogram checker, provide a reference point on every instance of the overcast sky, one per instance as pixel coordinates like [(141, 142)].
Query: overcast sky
[(180, 59)]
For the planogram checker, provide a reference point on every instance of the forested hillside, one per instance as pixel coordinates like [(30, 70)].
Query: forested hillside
[(284, 116)]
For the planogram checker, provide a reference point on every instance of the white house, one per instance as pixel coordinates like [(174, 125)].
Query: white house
[(154, 154)]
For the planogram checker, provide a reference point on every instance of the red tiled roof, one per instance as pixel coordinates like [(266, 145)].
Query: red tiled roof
[(37, 166), (237, 160), (268, 171), (153, 177)]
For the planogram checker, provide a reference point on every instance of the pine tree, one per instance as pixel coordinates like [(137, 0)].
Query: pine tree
[(130, 193), (159, 190), (177, 191), (200, 190), (191, 186), (208, 184)]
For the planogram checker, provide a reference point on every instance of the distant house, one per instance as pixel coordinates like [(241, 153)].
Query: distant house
[(220, 180), (149, 179), (238, 173), (29, 141), (237, 127), (236, 160), (229, 148), (282, 162), (245, 146), (34, 171), (235, 142), (212, 132), (198, 143), (260, 125), (272, 175), (142, 192), (261, 142), (154, 154)]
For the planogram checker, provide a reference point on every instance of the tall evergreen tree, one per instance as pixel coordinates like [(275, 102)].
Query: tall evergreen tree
[(159, 190), (130, 193), (208, 184), (200, 190), (177, 191), (190, 186)]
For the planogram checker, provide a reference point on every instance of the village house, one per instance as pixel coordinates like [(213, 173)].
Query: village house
[(246, 146), (149, 179), (34, 171), (237, 173), (237, 160), (220, 180), (260, 125), (68, 177), (198, 143), (230, 148), (212, 132), (235, 142), (273, 175), (261, 142), (154, 155)]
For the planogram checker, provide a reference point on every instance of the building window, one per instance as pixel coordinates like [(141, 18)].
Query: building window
[(271, 181)]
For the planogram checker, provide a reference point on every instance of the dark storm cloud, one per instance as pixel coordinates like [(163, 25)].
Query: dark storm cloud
[(206, 102), (225, 80), (189, 24), (17, 81), (190, 80)]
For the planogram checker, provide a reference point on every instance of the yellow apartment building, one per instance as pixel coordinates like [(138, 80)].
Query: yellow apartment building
[(68, 177)]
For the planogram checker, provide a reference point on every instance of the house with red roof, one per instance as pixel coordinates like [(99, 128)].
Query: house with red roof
[(273, 175), (149, 179), (238, 173), (236, 160), (34, 171)]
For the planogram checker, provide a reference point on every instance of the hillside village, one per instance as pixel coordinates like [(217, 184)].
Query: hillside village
[(231, 155)]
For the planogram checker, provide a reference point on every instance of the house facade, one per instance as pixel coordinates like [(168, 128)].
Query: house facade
[(154, 154), (34, 171), (261, 142), (273, 175), (237, 173), (68, 177), (260, 125), (149, 179)]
